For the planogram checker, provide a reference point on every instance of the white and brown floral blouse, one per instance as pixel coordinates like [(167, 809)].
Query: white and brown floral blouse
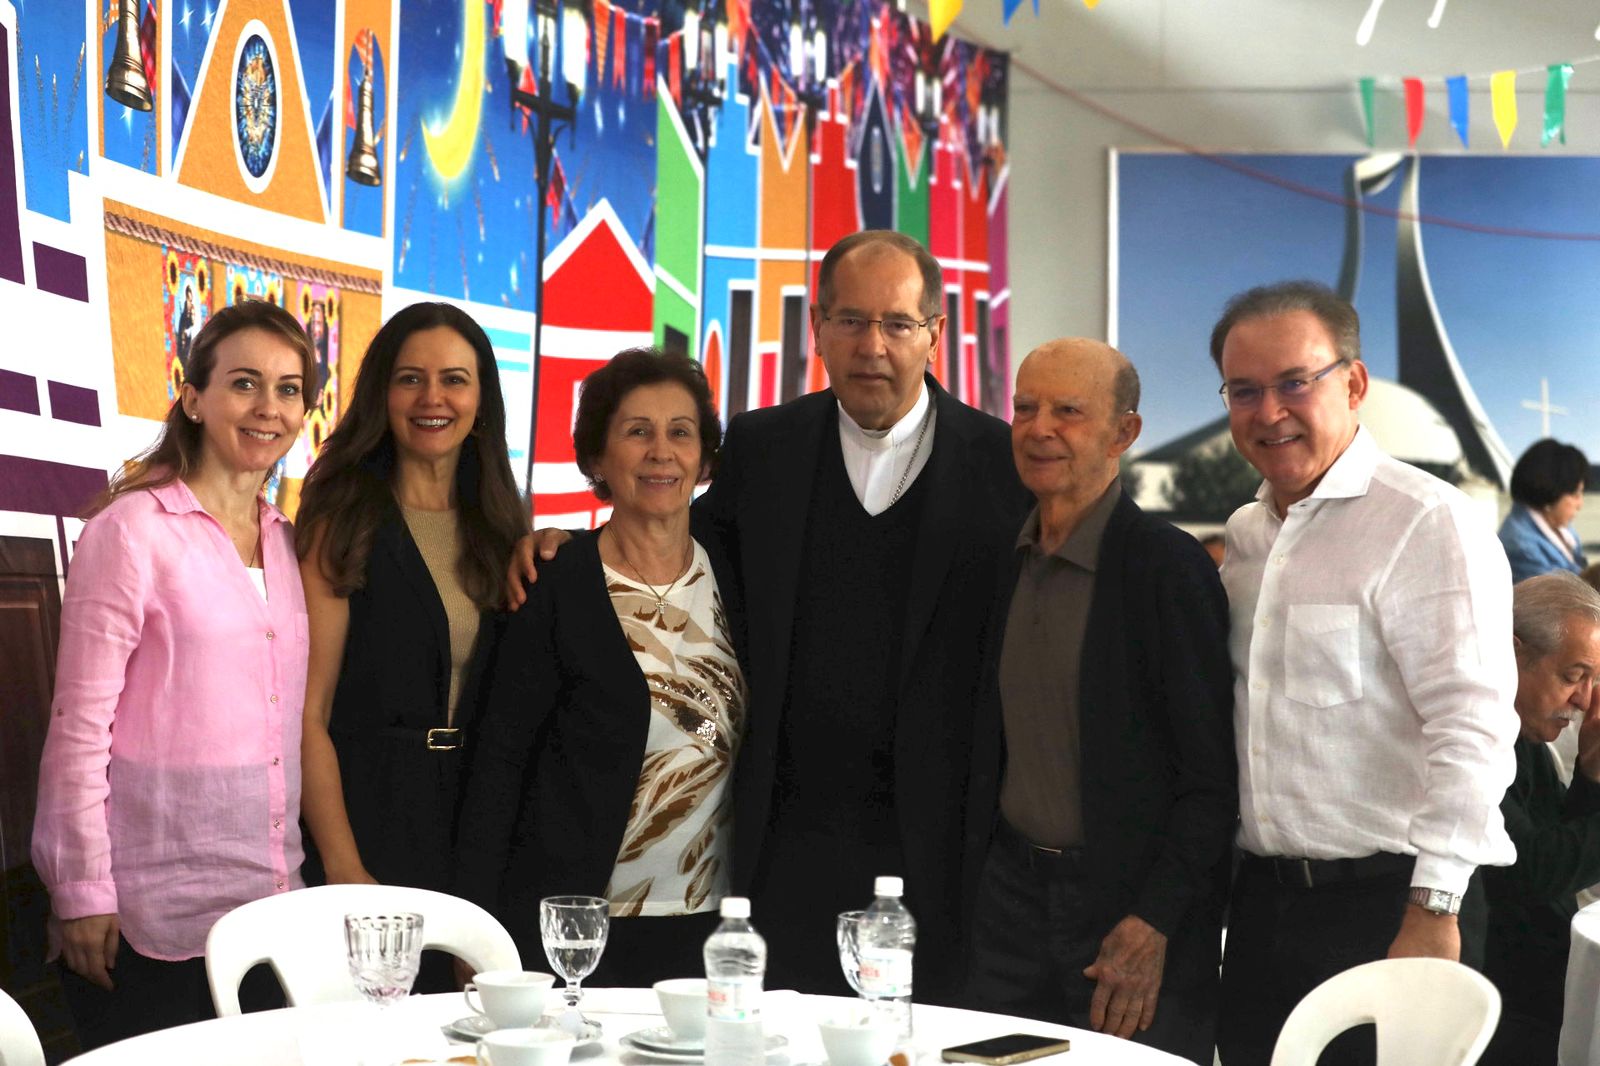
[(674, 856)]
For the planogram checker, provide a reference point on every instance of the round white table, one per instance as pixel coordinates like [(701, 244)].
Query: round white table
[(332, 1034), (1580, 1019)]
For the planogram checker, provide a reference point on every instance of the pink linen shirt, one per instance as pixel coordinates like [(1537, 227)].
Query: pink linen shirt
[(169, 790)]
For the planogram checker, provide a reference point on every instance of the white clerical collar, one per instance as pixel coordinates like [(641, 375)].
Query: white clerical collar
[(879, 440)]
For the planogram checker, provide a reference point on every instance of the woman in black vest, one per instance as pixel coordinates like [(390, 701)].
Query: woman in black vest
[(407, 520)]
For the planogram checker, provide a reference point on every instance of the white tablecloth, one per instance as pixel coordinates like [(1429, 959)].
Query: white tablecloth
[(1580, 1037), (340, 1034)]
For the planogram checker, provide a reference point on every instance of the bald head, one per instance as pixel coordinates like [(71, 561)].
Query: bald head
[(1095, 356), (1075, 406)]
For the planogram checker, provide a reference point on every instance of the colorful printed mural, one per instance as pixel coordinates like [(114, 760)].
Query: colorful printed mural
[(580, 175)]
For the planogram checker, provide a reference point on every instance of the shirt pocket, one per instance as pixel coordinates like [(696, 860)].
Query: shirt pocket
[(1322, 654)]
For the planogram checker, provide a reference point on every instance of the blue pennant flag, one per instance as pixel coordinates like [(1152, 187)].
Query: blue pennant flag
[(1010, 8), (1459, 106)]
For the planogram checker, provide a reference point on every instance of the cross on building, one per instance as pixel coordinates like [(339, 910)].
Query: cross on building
[(1544, 407)]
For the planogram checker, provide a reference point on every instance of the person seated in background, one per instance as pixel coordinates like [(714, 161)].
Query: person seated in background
[(615, 699), (408, 517), (169, 789), (1547, 493), (1556, 632)]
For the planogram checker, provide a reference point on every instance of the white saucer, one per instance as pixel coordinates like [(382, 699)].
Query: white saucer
[(641, 1044), (475, 1027), (661, 1038)]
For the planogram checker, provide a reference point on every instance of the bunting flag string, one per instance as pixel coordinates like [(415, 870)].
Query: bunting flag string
[(602, 32), (1502, 86)]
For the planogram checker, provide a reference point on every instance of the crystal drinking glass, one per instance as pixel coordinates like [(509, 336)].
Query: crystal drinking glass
[(384, 952), (574, 929), (849, 938)]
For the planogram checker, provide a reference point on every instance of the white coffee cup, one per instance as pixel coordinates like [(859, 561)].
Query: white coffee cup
[(526, 1047), (857, 1040), (511, 998), (683, 1005)]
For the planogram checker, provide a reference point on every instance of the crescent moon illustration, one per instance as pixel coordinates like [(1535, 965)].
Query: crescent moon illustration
[(450, 143)]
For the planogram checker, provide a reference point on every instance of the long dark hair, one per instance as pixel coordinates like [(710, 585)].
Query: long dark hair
[(176, 452), (349, 491)]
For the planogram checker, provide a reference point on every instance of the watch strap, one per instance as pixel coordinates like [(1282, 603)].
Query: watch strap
[(1436, 900)]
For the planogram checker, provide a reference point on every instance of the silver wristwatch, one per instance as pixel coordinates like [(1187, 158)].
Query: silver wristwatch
[(1436, 900)]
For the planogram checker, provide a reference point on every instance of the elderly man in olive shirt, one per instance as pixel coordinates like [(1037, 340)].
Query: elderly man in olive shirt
[(1100, 902)]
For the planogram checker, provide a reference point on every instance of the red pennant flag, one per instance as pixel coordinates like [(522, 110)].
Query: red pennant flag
[(1413, 109), (675, 67), (652, 32), (558, 188), (149, 46), (620, 22), (602, 31)]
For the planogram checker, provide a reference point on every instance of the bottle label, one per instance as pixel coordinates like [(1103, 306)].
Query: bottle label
[(733, 999), (885, 972)]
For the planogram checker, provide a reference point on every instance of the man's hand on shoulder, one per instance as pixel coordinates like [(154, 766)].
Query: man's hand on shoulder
[(1424, 934), (1127, 976), (544, 542)]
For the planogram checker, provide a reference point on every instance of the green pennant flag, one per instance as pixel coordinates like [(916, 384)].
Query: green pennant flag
[(1366, 108), (1555, 103)]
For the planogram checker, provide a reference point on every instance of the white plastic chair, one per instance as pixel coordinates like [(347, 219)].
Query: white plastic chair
[(300, 935), (19, 1044), (1429, 1012)]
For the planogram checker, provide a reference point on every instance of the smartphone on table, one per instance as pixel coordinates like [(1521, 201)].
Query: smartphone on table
[(1007, 1050)]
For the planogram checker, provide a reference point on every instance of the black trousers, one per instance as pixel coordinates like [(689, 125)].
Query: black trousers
[(1285, 939), (1034, 933), (151, 994)]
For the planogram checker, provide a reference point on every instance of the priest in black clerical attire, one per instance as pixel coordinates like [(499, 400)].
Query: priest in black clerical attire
[(868, 523)]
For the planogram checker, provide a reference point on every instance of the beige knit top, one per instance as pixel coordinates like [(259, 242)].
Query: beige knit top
[(438, 537)]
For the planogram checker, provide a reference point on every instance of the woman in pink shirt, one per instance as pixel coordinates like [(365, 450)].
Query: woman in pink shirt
[(169, 790)]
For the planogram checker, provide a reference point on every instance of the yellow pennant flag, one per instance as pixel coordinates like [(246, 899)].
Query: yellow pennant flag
[(1090, 4), (942, 13), (1503, 97)]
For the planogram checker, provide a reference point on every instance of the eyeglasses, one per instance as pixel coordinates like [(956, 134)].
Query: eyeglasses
[(1292, 391), (895, 330)]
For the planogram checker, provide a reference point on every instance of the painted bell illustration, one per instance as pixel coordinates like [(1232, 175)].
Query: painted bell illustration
[(125, 80)]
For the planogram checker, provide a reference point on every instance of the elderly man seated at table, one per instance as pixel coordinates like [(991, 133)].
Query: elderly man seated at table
[(1556, 629)]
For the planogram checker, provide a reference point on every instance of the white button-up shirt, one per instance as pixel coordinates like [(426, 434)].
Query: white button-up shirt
[(880, 460), (1373, 672)]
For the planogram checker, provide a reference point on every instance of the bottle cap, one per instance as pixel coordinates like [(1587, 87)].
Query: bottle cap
[(888, 886), (735, 907)]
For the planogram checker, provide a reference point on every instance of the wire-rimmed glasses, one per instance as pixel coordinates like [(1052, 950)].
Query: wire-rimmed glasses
[(1290, 391)]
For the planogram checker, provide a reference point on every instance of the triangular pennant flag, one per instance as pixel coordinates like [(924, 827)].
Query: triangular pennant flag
[(675, 67), (1366, 109), (941, 13), (1459, 106), (652, 29), (1503, 100), (1414, 110), (620, 24), (1009, 8), (602, 34), (1555, 103), (149, 44), (1090, 4)]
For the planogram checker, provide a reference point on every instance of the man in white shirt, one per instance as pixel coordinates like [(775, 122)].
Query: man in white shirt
[(1373, 676)]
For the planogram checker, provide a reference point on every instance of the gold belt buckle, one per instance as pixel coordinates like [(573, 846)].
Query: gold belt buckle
[(442, 739)]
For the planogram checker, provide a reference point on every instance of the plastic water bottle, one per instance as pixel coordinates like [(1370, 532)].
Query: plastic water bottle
[(888, 938), (736, 961)]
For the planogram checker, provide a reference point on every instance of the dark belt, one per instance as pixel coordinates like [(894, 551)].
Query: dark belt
[(1035, 856), (1315, 873), (437, 739)]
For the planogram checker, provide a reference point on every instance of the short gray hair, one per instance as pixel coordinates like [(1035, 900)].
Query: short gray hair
[(1337, 315), (1541, 607)]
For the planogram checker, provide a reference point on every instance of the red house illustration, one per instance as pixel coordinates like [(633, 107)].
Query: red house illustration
[(599, 296)]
